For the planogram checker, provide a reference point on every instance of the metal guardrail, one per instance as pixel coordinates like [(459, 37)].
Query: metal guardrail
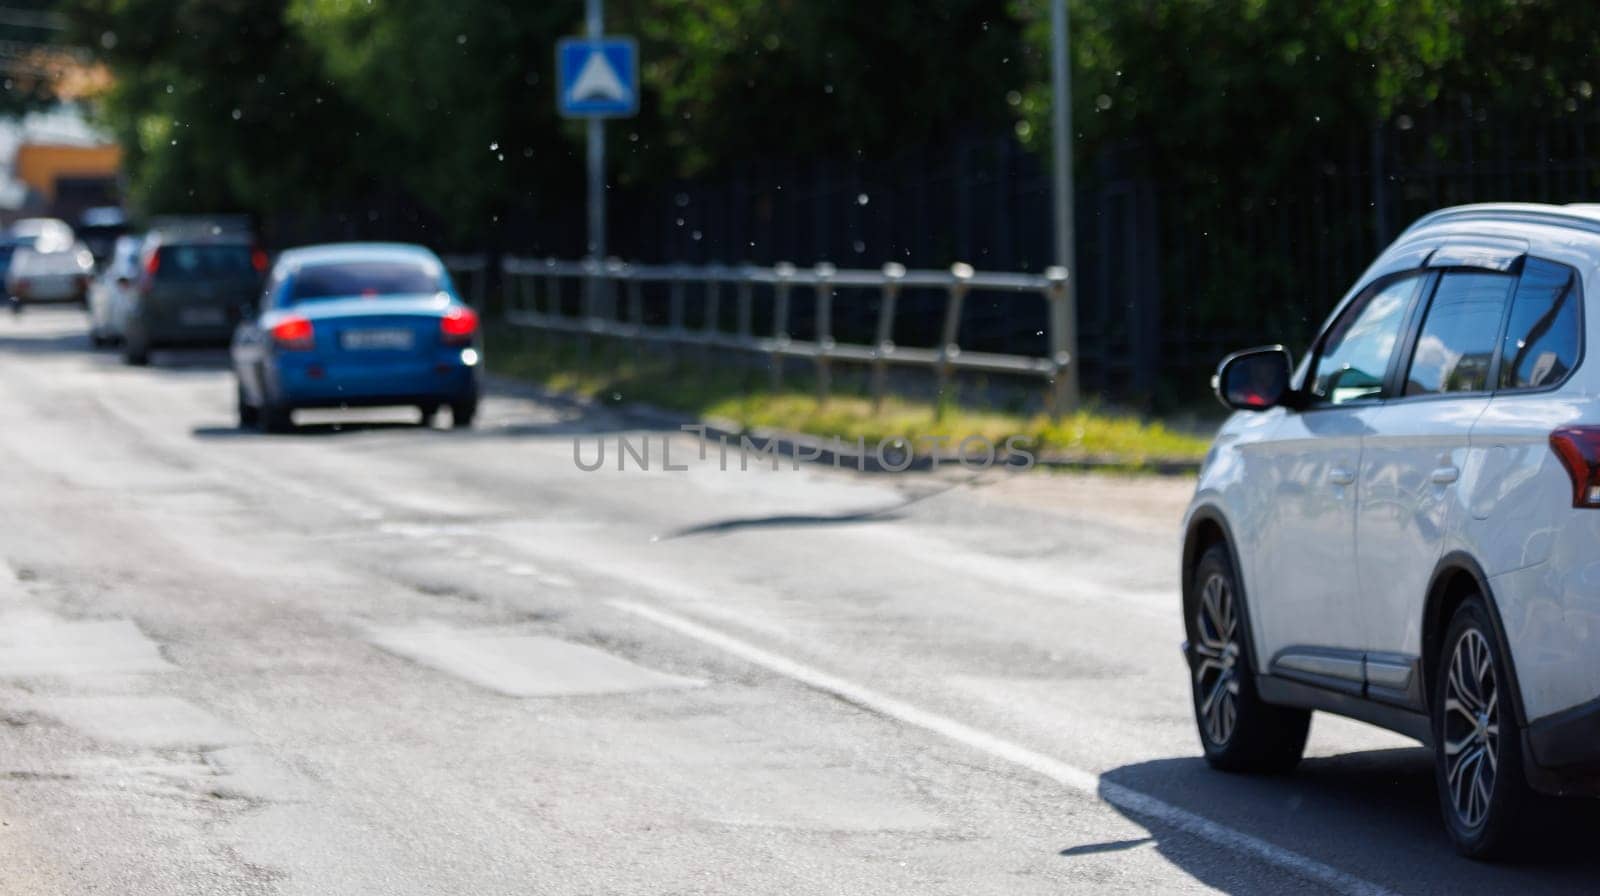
[(533, 291), (473, 269)]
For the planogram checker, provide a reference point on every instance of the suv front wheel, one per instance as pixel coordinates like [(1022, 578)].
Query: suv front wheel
[(1239, 731), (1483, 793)]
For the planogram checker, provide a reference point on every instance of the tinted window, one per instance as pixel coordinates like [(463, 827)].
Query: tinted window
[(1456, 344), (204, 262), (1355, 355), (364, 278), (1542, 336)]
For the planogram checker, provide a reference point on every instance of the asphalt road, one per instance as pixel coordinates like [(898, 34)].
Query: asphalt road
[(375, 658)]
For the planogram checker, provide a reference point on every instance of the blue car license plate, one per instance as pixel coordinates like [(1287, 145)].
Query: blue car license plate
[(369, 340)]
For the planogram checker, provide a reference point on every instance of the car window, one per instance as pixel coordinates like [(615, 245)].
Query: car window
[(1355, 354), (1541, 342), (204, 261), (1455, 346), (364, 278)]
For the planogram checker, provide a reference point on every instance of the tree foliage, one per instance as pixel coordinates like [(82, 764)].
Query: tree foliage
[(220, 105), (276, 104)]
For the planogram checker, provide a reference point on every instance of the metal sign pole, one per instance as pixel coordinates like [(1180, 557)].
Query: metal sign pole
[(1061, 88), (595, 18), (1064, 335)]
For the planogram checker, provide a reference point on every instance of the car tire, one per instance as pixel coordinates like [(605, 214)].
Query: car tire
[(462, 413), (1238, 730), (277, 418), (249, 414), (135, 350), (1478, 762)]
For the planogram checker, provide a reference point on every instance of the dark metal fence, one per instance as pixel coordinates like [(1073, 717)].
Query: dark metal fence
[(1170, 277)]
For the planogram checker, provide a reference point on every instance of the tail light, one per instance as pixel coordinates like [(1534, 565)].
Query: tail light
[(458, 325), (294, 333), (1578, 447), (258, 260), (22, 287), (151, 266)]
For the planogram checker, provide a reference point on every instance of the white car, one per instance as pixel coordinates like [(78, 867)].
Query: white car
[(49, 265), (113, 291), (1405, 529)]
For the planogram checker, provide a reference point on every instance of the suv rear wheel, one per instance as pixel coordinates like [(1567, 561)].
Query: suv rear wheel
[(1483, 793), (1239, 731)]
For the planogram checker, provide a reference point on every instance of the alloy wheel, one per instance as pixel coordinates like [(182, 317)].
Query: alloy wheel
[(1216, 674), (1471, 729)]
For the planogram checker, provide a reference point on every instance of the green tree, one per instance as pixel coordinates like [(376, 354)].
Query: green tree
[(221, 107), (464, 92), (738, 79)]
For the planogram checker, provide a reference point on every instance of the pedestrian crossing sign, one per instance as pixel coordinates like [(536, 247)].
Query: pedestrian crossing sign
[(597, 77)]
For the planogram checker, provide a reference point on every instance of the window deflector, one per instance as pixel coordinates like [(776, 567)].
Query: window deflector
[(1482, 253)]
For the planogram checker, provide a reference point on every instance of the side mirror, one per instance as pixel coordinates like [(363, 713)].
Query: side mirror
[(1255, 379)]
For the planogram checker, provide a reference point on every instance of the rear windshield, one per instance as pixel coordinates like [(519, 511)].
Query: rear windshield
[(204, 262), (363, 278)]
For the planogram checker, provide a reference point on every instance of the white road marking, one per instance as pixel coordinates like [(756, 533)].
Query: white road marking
[(1085, 782)]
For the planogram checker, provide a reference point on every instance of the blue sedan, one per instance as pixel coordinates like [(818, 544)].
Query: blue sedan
[(357, 325)]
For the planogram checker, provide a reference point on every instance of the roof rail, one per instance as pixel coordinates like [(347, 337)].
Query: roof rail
[(1523, 212)]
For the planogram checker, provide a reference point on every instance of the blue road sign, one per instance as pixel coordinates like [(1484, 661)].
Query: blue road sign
[(597, 77)]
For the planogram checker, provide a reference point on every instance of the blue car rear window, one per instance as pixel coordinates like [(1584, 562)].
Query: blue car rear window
[(363, 278)]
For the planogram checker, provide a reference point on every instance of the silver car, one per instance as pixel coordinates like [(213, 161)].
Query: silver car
[(49, 265), (111, 295)]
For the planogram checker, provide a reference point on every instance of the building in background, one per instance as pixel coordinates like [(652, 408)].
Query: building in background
[(59, 166)]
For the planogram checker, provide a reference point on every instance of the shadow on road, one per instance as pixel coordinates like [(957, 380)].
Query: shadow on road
[(203, 360), (1373, 815), (311, 430), (789, 520), (76, 341)]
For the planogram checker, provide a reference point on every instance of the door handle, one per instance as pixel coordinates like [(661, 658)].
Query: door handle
[(1341, 476), (1446, 475)]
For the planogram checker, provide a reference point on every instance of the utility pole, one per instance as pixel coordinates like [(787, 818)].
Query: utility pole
[(1061, 138), (1063, 304), (595, 22)]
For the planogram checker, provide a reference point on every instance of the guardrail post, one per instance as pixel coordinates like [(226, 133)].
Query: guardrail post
[(551, 301), (713, 309), (746, 306), (635, 301), (1063, 396), (614, 271), (675, 307), (883, 344), (780, 321), (552, 288), (948, 346), (824, 357), (604, 323)]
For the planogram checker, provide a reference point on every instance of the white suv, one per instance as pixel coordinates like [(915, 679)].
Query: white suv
[(1405, 529)]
